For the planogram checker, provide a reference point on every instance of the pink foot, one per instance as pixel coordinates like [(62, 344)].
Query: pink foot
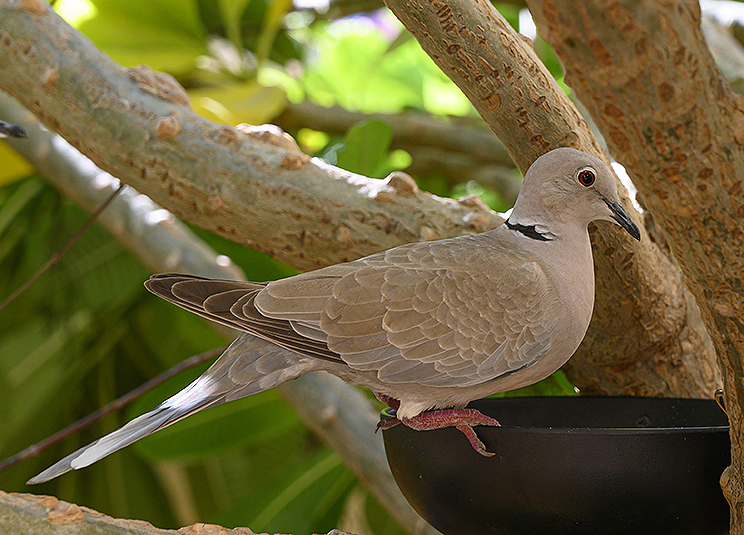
[(462, 419)]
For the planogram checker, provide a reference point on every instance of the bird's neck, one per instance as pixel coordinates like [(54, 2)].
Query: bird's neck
[(568, 249)]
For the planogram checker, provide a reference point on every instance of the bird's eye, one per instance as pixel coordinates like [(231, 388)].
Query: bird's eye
[(586, 177)]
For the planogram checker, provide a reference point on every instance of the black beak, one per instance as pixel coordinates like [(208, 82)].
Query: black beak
[(623, 219)]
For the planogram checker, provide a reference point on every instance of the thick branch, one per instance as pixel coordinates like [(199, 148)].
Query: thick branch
[(157, 238), (639, 341), (644, 70), (255, 188)]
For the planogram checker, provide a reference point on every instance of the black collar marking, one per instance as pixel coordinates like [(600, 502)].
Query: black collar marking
[(529, 231)]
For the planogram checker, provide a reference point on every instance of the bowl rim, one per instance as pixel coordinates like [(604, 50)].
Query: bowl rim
[(387, 412)]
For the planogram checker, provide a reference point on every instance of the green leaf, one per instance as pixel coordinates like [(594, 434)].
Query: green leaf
[(14, 166), (231, 12), (305, 498), (167, 35), (234, 103), (554, 385), (366, 146), (353, 65), (272, 22)]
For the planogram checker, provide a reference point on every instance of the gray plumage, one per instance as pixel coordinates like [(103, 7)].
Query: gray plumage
[(432, 325)]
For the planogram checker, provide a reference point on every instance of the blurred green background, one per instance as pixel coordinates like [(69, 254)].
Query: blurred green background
[(88, 332)]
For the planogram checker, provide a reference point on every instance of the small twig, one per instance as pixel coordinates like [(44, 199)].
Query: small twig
[(56, 257), (123, 401)]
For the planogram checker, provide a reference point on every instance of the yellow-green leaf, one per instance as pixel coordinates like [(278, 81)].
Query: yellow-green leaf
[(12, 166), (247, 102)]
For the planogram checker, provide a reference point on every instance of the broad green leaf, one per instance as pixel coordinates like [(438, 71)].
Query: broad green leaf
[(272, 22), (181, 16), (488, 196), (554, 385), (351, 63), (341, 64), (366, 146), (167, 35), (235, 103)]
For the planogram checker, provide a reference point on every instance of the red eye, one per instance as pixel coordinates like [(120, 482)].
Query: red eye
[(586, 178)]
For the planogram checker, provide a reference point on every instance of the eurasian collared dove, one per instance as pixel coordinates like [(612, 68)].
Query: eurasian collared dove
[(426, 326)]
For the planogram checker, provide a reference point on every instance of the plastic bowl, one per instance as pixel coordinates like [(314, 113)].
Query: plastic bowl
[(571, 465)]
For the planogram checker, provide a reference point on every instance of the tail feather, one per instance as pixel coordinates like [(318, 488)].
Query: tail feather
[(158, 418), (250, 365)]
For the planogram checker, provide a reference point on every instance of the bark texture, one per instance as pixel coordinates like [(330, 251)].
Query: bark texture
[(644, 71), (642, 339), (29, 514)]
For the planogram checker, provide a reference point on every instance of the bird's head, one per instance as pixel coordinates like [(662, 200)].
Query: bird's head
[(569, 187)]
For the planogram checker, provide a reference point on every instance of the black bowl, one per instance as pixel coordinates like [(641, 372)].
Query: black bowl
[(571, 465)]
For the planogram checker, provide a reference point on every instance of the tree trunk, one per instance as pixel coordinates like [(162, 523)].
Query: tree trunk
[(644, 71)]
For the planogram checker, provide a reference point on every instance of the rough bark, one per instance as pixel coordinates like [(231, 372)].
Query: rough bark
[(640, 340), (644, 71), (28, 514)]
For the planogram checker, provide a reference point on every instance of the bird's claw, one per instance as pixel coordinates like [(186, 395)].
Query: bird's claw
[(462, 419)]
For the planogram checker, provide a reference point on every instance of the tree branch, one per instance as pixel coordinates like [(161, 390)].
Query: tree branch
[(251, 186), (46, 515), (462, 149)]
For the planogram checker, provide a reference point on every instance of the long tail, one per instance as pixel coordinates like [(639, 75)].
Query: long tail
[(140, 427), (250, 365)]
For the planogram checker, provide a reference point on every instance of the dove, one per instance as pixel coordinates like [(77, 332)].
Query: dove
[(428, 327)]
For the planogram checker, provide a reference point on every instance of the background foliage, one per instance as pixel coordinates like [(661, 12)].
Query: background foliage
[(88, 332)]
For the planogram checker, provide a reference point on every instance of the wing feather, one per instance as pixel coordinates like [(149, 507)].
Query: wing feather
[(448, 313)]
